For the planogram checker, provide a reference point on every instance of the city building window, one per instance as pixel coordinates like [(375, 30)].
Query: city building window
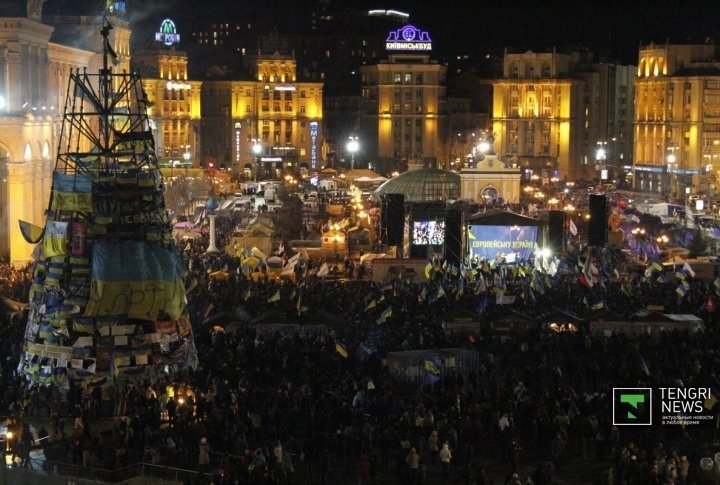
[(276, 107), (418, 78), (397, 93), (397, 78), (302, 94), (302, 109), (408, 95), (288, 106), (418, 94), (302, 152), (408, 77), (265, 107), (248, 93)]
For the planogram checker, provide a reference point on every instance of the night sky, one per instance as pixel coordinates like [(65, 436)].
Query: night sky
[(615, 28)]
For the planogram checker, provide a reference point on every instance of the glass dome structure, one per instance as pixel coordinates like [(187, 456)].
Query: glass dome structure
[(422, 185)]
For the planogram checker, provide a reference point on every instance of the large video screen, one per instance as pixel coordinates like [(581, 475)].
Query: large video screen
[(488, 242), (428, 233)]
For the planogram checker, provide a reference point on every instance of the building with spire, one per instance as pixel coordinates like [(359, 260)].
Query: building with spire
[(40, 42)]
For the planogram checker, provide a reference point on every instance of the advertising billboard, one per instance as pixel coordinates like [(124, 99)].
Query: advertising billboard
[(489, 242)]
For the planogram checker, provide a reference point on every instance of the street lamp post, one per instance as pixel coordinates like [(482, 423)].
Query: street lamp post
[(671, 171), (352, 146), (601, 160), (257, 149)]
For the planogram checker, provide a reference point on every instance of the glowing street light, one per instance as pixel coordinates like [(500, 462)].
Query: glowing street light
[(353, 145), (257, 149)]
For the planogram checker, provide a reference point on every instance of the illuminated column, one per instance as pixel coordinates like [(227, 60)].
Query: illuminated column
[(212, 248), (14, 79), (18, 186)]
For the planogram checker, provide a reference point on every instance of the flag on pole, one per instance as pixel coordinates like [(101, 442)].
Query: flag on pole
[(643, 366), (432, 364), (30, 232), (584, 280), (573, 228), (688, 269), (341, 349)]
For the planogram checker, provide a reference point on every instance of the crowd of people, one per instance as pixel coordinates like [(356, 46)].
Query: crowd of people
[(326, 407)]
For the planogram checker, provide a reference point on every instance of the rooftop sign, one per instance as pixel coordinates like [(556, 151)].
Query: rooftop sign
[(168, 33), (408, 38)]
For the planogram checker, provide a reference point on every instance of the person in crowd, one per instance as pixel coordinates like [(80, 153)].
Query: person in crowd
[(445, 458), (203, 456)]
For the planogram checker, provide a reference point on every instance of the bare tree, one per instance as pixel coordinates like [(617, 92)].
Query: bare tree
[(183, 193)]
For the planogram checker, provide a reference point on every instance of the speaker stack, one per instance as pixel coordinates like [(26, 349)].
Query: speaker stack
[(556, 231), (598, 223), (453, 237), (392, 219)]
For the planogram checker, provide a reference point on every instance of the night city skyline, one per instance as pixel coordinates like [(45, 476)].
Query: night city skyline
[(614, 29)]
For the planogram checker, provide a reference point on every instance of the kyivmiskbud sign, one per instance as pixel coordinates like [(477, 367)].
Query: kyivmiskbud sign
[(408, 38)]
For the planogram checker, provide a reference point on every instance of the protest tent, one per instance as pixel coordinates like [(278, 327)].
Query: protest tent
[(646, 322), (463, 322), (505, 319), (557, 320), (319, 323), (417, 368), (274, 322)]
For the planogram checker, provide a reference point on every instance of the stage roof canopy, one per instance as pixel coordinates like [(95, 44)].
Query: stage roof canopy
[(497, 217)]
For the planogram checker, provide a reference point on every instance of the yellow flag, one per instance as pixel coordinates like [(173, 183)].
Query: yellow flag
[(275, 297)]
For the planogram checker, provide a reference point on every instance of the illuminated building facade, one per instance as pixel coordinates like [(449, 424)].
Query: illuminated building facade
[(37, 52), (403, 117), (174, 109), (551, 109), (274, 114), (677, 125)]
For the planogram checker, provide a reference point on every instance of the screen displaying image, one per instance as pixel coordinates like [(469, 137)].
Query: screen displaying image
[(428, 233), (489, 242)]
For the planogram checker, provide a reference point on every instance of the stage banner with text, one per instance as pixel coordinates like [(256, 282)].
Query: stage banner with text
[(489, 242)]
